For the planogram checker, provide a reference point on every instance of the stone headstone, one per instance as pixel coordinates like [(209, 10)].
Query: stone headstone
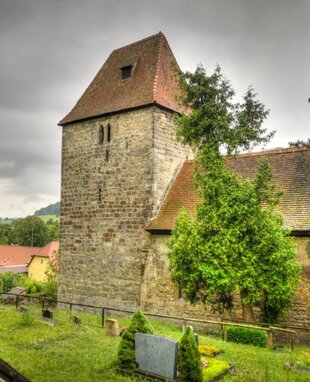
[(111, 327), (47, 313), (156, 355)]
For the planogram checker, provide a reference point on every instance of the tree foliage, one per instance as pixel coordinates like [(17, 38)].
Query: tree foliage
[(29, 231), (126, 351), (300, 143), (236, 242), (189, 362)]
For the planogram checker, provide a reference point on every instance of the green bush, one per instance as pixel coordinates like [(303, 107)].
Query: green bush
[(247, 336), (126, 351), (11, 280), (33, 286), (189, 362), (49, 289)]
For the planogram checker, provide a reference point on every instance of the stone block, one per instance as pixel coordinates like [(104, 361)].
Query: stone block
[(111, 327), (156, 355)]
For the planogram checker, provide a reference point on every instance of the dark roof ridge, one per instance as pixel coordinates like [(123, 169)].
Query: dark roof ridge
[(277, 150), (139, 41)]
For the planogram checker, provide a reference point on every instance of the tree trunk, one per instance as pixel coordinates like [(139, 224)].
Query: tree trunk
[(247, 309)]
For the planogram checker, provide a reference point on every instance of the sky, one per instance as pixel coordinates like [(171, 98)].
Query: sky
[(51, 50)]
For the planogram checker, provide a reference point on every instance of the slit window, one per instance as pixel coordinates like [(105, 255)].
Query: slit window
[(107, 156), (127, 71), (101, 135), (109, 136)]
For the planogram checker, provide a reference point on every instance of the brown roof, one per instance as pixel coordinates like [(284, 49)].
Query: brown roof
[(48, 250), (13, 255), (292, 175), (154, 81)]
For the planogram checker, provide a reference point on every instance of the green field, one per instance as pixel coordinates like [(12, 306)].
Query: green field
[(46, 218), (64, 352)]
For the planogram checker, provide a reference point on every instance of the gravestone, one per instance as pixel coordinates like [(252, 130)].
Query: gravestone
[(111, 327), (47, 313), (156, 355)]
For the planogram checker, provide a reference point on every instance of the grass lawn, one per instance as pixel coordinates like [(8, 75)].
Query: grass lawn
[(63, 352)]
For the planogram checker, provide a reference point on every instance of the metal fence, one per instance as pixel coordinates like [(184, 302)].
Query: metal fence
[(100, 313)]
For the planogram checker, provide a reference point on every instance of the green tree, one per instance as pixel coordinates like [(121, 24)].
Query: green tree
[(6, 234), (126, 351), (189, 360), (30, 231), (300, 143), (52, 227), (236, 243)]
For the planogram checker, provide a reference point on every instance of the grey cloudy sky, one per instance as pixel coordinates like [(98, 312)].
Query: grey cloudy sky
[(51, 50)]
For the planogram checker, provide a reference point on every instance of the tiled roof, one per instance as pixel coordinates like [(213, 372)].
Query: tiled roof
[(14, 255), (154, 81), (292, 175), (47, 251)]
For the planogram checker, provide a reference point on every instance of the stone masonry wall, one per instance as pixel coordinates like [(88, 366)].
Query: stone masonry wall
[(163, 297), (169, 155), (108, 196), (105, 203)]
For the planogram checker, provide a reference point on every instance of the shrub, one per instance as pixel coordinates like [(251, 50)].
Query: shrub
[(33, 286), (189, 363), (26, 318), (11, 280), (247, 336), (49, 289), (126, 351), (214, 368), (207, 350)]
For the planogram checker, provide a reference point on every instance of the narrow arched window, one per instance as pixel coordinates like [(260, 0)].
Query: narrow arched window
[(109, 133), (101, 135)]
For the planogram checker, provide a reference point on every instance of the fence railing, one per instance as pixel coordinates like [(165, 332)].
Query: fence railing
[(46, 302)]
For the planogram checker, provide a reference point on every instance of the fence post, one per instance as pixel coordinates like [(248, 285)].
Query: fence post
[(102, 318), (16, 302), (225, 332), (70, 311), (292, 341)]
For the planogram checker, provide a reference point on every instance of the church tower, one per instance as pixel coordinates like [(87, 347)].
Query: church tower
[(119, 157)]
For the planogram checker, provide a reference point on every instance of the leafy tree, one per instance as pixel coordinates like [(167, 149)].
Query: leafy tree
[(6, 233), (30, 231), (189, 362), (236, 242), (52, 227), (300, 143)]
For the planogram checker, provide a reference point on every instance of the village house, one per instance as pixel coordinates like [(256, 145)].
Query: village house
[(38, 263), (125, 177)]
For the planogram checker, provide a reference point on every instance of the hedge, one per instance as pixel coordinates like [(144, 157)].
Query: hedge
[(247, 336)]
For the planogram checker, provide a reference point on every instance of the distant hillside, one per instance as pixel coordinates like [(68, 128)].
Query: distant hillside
[(52, 209)]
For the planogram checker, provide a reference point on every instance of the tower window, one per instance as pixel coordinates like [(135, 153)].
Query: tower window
[(100, 194), (107, 155), (101, 135), (109, 135), (127, 71)]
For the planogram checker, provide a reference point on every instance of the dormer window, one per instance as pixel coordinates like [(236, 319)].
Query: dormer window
[(127, 71)]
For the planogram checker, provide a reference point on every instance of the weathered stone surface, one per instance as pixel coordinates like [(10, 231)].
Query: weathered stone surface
[(106, 203), (111, 327), (156, 355)]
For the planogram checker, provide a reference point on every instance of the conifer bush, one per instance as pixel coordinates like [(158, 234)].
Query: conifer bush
[(189, 362), (126, 351)]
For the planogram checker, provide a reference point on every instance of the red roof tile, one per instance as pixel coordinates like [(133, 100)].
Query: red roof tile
[(154, 81), (13, 255), (292, 175), (48, 250)]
